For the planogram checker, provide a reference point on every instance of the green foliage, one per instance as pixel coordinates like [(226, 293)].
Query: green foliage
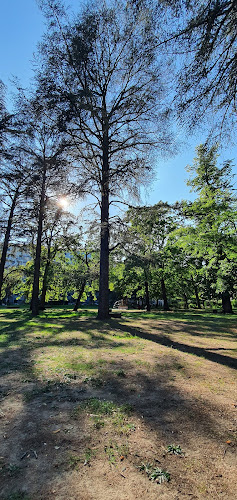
[(100, 407), (155, 473), (174, 449)]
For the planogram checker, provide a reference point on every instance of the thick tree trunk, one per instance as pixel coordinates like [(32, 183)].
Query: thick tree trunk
[(103, 309), (6, 239), (78, 301), (226, 303), (164, 296), (35, 292), (148, 306)]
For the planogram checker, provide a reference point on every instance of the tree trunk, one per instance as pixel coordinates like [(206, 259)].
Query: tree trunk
[(35, 292), (6, 240), (164, 296), (45, 283), (103, 309), (148, 307), (198, 303), (78, 301), (185, 300), (226, 303)]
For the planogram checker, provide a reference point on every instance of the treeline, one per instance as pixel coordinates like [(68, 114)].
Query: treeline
[(183, 254), (97, 115)]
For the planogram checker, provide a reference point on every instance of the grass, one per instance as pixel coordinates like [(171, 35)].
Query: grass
[(119, 391)]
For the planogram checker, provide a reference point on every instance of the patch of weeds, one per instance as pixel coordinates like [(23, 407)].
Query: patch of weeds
[(94, 381), (115, 414), (11, 469), (120, 373), (139, 362), (98, 423), (116, 452), (119, 420), (155, 473), (73, 461), (102, 407), (71, 376), (84, 367), (175, 450), (120, 335), (129, 348), (178, 366), (84, 459), (88, 454), (101, 362), (131, 427)]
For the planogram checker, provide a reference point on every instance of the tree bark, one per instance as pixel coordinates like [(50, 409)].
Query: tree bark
[(6, 239), (164, 296), (226, 303), (103, 308), (196, 294), (148, 306), (45, 283), (78, 301), (185, 300), (35, 292)]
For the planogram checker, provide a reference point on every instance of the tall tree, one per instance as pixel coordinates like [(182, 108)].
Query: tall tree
[(204, 38), (214, 215), (55, 233), (46, 151), (15, 187), (103, 75)]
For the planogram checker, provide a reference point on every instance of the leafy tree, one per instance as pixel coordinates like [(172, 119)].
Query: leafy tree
[(213, 214), (56, 231), (46, 151), (15, 178), (149, 229), (102, 75)]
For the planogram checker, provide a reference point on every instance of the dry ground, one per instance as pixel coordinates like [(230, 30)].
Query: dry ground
[(86, 406)]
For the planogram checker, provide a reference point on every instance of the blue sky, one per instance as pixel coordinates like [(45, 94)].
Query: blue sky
[(21, 27)]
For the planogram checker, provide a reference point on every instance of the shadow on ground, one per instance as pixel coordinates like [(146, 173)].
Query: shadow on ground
[(40, 430)]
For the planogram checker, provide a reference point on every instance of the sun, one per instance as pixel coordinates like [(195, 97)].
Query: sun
[(63, 202)]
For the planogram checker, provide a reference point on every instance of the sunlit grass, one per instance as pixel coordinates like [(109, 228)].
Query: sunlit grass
[(60, 340)]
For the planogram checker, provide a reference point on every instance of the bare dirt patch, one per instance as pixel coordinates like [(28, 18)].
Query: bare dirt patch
[(88, 409)]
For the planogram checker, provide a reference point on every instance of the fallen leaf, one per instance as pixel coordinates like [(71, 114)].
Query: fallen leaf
[(228, 441)]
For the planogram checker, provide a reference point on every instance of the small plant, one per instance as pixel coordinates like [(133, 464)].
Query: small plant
[(94, 381), (175, 450), (74, 461), (120, 373), (98, 423), (155, 473), (13, 469), (159, 475), (116, 452), (145, 467), (88, 454)]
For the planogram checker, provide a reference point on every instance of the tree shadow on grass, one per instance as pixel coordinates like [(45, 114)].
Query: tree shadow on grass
[(43, 432), (167, 342)]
